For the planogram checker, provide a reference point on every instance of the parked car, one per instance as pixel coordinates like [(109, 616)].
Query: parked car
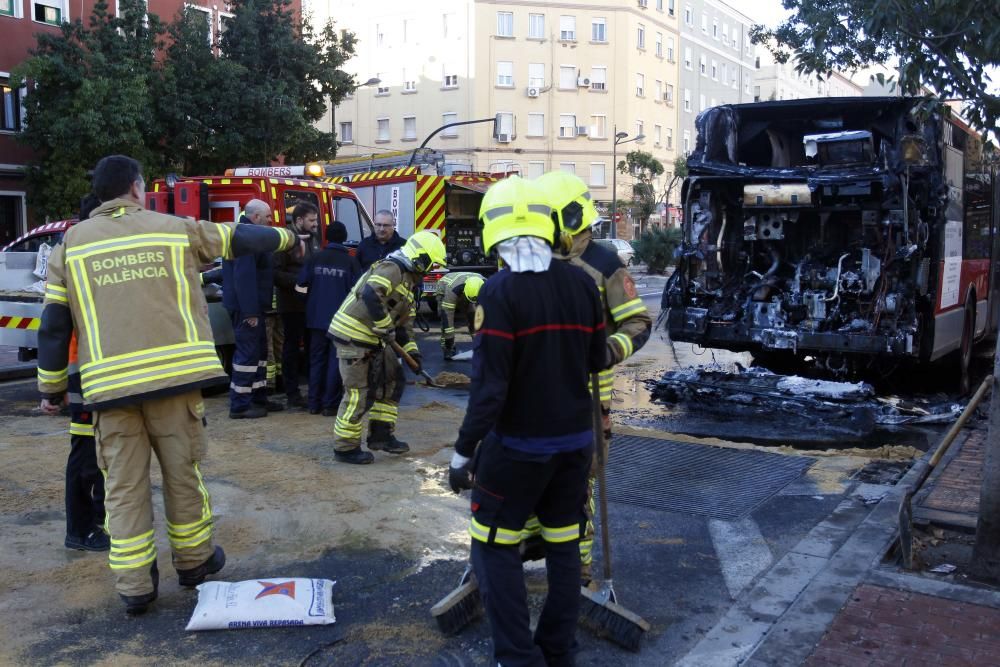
[(626, 253), (50, 233)]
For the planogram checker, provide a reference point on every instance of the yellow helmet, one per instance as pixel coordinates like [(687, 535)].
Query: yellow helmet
[(515, 207), (425, 249), (472, 287), (570, 200)]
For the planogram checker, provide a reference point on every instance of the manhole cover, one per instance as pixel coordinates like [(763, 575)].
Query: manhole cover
[(716, 482)]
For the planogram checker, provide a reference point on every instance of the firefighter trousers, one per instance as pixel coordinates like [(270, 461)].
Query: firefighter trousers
[(249, 382), (373, 383), (84, 482), (511, 485), (173, 429)]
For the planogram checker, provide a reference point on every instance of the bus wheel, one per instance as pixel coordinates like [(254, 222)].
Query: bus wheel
[(965, 351)]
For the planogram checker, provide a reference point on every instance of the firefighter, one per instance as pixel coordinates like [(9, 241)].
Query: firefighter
[(540, 334), (627, 322), (325, 279), (291, 309), (455, 292), (247, 294), (382, 304), (127, 283), (384, 241)]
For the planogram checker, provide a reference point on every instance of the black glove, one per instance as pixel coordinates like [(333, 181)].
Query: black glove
[(460, 473), (418, 360)]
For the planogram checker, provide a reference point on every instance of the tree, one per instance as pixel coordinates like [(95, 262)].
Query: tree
[(946, 45), (645, 168), (91, 96), (680, 173), (655, 248)]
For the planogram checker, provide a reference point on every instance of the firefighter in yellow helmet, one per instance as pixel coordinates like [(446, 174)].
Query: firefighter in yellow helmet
[(540, 334), (626, 319), (456, 292), (381, 304)]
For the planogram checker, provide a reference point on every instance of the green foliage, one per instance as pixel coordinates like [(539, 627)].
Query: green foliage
[(645, 168), (178, 104), (946, 45), (655, 247)]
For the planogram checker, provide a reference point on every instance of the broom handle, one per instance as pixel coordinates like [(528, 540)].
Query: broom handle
[(595, 391)]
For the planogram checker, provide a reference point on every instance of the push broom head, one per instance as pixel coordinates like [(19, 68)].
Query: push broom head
[(611, 620), (459, 608)]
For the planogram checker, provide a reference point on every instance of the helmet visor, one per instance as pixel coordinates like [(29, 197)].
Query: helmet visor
[(572, 217)]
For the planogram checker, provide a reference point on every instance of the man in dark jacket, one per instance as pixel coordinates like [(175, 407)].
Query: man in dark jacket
[(248, 283), (385, 240), (326, 278), (291, 309)]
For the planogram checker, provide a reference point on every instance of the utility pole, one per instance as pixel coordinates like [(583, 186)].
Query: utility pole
[(986, 554)]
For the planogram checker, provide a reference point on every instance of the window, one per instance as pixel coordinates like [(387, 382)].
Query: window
[(687, 141), (638, 131), (725, 33), (746, 82), (450, 80), (687, 57), (704, 23), (598, 78), (505, 24), (536, 26), (725, 73), (568, 167), (715, 70), (203, 11), (670, 49), (640, 37), (659, 91), (225, 22), (447, 20), (657, 134), (701, 102), (505, 73), (536, 125), (670, 138), (406, 30), (10, 109), (446, 119), (53, 12), (536, 75), (535, 169), (688, 16), (567, 125), (715, 28), (379, 35), (7, 7), (659, 5), (567, 28), (702, 67), (409, 127), (409, 85), (668, 94), (687, 100), (599, 30), (506, 125), (670, 7), (659, 45), (597, 176), (346, 133), (383, 129), (640, 85), (567, 77), (383, 87), (599, 126)]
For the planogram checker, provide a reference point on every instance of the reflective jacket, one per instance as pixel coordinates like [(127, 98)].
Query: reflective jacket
[(127, 283), (383, 298), (625, 315), (450, 294)]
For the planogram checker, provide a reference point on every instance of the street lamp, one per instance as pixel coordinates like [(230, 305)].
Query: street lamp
[(619, 139), (374, 81)]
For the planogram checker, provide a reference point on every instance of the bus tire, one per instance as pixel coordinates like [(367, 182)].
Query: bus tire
[(965, 349)]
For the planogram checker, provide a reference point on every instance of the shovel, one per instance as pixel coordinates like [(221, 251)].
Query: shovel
[(414, 366)]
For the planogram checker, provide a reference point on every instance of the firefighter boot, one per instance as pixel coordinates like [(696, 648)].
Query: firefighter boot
[(355, 456), (381, 438), (196, 575), (136, 605), (449, 349)]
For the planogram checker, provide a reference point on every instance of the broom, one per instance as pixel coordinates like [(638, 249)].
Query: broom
[(600, 609), (461, 606)]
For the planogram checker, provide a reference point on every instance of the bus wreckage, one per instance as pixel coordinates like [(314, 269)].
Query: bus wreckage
[(840, 233)]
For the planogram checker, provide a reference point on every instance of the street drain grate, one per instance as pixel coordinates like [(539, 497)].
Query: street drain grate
[(716, 482)]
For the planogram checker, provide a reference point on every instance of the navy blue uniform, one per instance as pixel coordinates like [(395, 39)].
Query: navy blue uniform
[(248, 286), (328, 277), (371, 250), (539, 338)]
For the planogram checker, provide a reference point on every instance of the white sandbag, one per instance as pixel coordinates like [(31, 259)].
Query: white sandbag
[(263, 603), (463, 356), (42, 260)]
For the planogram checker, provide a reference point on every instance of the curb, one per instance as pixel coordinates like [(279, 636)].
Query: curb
[(18, 372)]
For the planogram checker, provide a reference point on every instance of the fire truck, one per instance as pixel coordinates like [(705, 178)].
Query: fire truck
[(423, 196)]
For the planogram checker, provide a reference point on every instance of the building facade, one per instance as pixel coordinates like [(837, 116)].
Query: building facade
[(779, 81), (561, 77), (717, 62)]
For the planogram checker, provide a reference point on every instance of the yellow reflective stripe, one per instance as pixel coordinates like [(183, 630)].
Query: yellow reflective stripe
[(625, 342), (353, 327), (85, 249), (56, 298), (411, 347), (448, 330), (56, 293), (379, 280), (561, 534), (81, 429), (132, 543), (448, 306), (78, 269), (630, 309), (225, 236), (183, 294), (188, 542), (206, 500), (52, 287), (162, 376), (625, 306), (53, 376), (149, 354), (481, 532), (201, 358), (288, 237), (384, 323), (139, 560)]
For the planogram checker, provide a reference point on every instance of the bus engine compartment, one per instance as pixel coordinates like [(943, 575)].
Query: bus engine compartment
[(810, 227)]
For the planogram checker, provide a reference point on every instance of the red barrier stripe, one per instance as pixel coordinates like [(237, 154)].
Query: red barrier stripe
[(4, 320), (25, 322)]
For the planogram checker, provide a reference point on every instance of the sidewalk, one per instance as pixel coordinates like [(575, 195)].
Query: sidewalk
[(841, 597)]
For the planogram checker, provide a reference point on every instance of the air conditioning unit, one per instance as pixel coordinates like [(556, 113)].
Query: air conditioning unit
[(583, 82), (581, 130), (503, 138), (532, 92)]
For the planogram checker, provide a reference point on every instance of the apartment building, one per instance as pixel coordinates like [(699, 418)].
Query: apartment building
[(563, 78), (717, 62), (779, 81)]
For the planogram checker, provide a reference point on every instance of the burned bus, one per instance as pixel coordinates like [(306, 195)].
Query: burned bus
[(850, 234)]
